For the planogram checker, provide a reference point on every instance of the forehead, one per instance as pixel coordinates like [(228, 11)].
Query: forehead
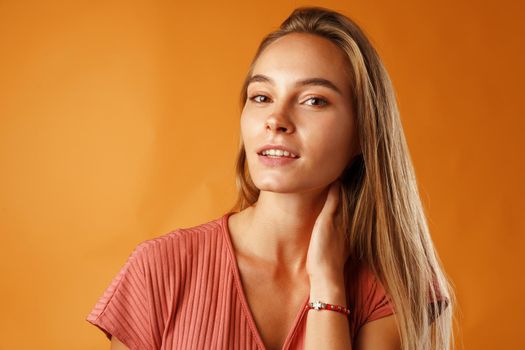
[(298, 56)]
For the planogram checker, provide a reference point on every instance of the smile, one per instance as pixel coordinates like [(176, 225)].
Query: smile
[(276, 160)]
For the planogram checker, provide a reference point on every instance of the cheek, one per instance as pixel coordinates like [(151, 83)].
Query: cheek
[(245, 129), (331, 138), (248, 129)]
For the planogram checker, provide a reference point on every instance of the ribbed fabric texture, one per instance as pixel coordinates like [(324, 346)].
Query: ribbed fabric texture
[(183, 290)]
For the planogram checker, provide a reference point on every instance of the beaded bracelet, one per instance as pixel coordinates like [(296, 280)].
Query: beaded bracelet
[(318, 305)]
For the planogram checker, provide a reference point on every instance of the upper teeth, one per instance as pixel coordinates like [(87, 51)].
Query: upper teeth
[(278, 152)]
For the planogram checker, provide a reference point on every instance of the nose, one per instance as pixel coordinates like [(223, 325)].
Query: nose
[(277, 122)]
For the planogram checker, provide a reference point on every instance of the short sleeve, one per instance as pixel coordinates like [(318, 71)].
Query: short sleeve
[(435, 309), (123, 311), (378, 303)]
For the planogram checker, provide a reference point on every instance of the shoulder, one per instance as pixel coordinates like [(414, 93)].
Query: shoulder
[(140, 298), (367, 295), (179, 242), (362, 280)]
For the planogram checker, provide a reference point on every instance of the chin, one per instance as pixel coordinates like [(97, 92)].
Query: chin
[(276, 186)]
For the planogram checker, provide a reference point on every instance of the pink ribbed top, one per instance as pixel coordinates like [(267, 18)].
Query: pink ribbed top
[(183, 290)]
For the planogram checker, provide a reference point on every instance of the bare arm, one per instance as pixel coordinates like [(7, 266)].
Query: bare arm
[(330, 330), (380, 334), (327, 329), (325, 261), (117, 345)]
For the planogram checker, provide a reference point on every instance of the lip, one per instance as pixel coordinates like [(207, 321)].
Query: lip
[(280, 147), (275, 161)]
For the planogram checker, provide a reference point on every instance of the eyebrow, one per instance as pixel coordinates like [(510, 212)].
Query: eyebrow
[(310, 81)]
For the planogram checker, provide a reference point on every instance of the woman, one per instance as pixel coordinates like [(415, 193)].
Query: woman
[(328, 212)]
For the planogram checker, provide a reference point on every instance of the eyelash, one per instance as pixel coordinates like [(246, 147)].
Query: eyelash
[(323, 101)]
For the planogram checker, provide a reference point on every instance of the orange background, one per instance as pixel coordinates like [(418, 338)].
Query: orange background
[(119, 122)]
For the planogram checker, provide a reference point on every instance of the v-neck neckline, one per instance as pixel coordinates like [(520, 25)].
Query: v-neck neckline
[(243, 299)]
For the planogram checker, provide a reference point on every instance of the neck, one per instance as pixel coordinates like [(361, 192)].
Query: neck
[(280, 226)]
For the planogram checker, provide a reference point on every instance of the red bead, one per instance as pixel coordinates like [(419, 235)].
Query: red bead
[(332, 307)]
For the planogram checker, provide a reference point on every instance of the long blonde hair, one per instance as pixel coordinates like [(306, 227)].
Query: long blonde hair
[(381, 211)]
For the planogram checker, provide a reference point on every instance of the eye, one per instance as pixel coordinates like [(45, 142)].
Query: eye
[(320, 100), (256, 98)]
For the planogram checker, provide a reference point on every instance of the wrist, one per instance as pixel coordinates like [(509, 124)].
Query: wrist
[(328, 290), (327, 277)]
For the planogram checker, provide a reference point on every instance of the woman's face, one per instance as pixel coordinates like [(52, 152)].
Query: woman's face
[(299, 97)]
